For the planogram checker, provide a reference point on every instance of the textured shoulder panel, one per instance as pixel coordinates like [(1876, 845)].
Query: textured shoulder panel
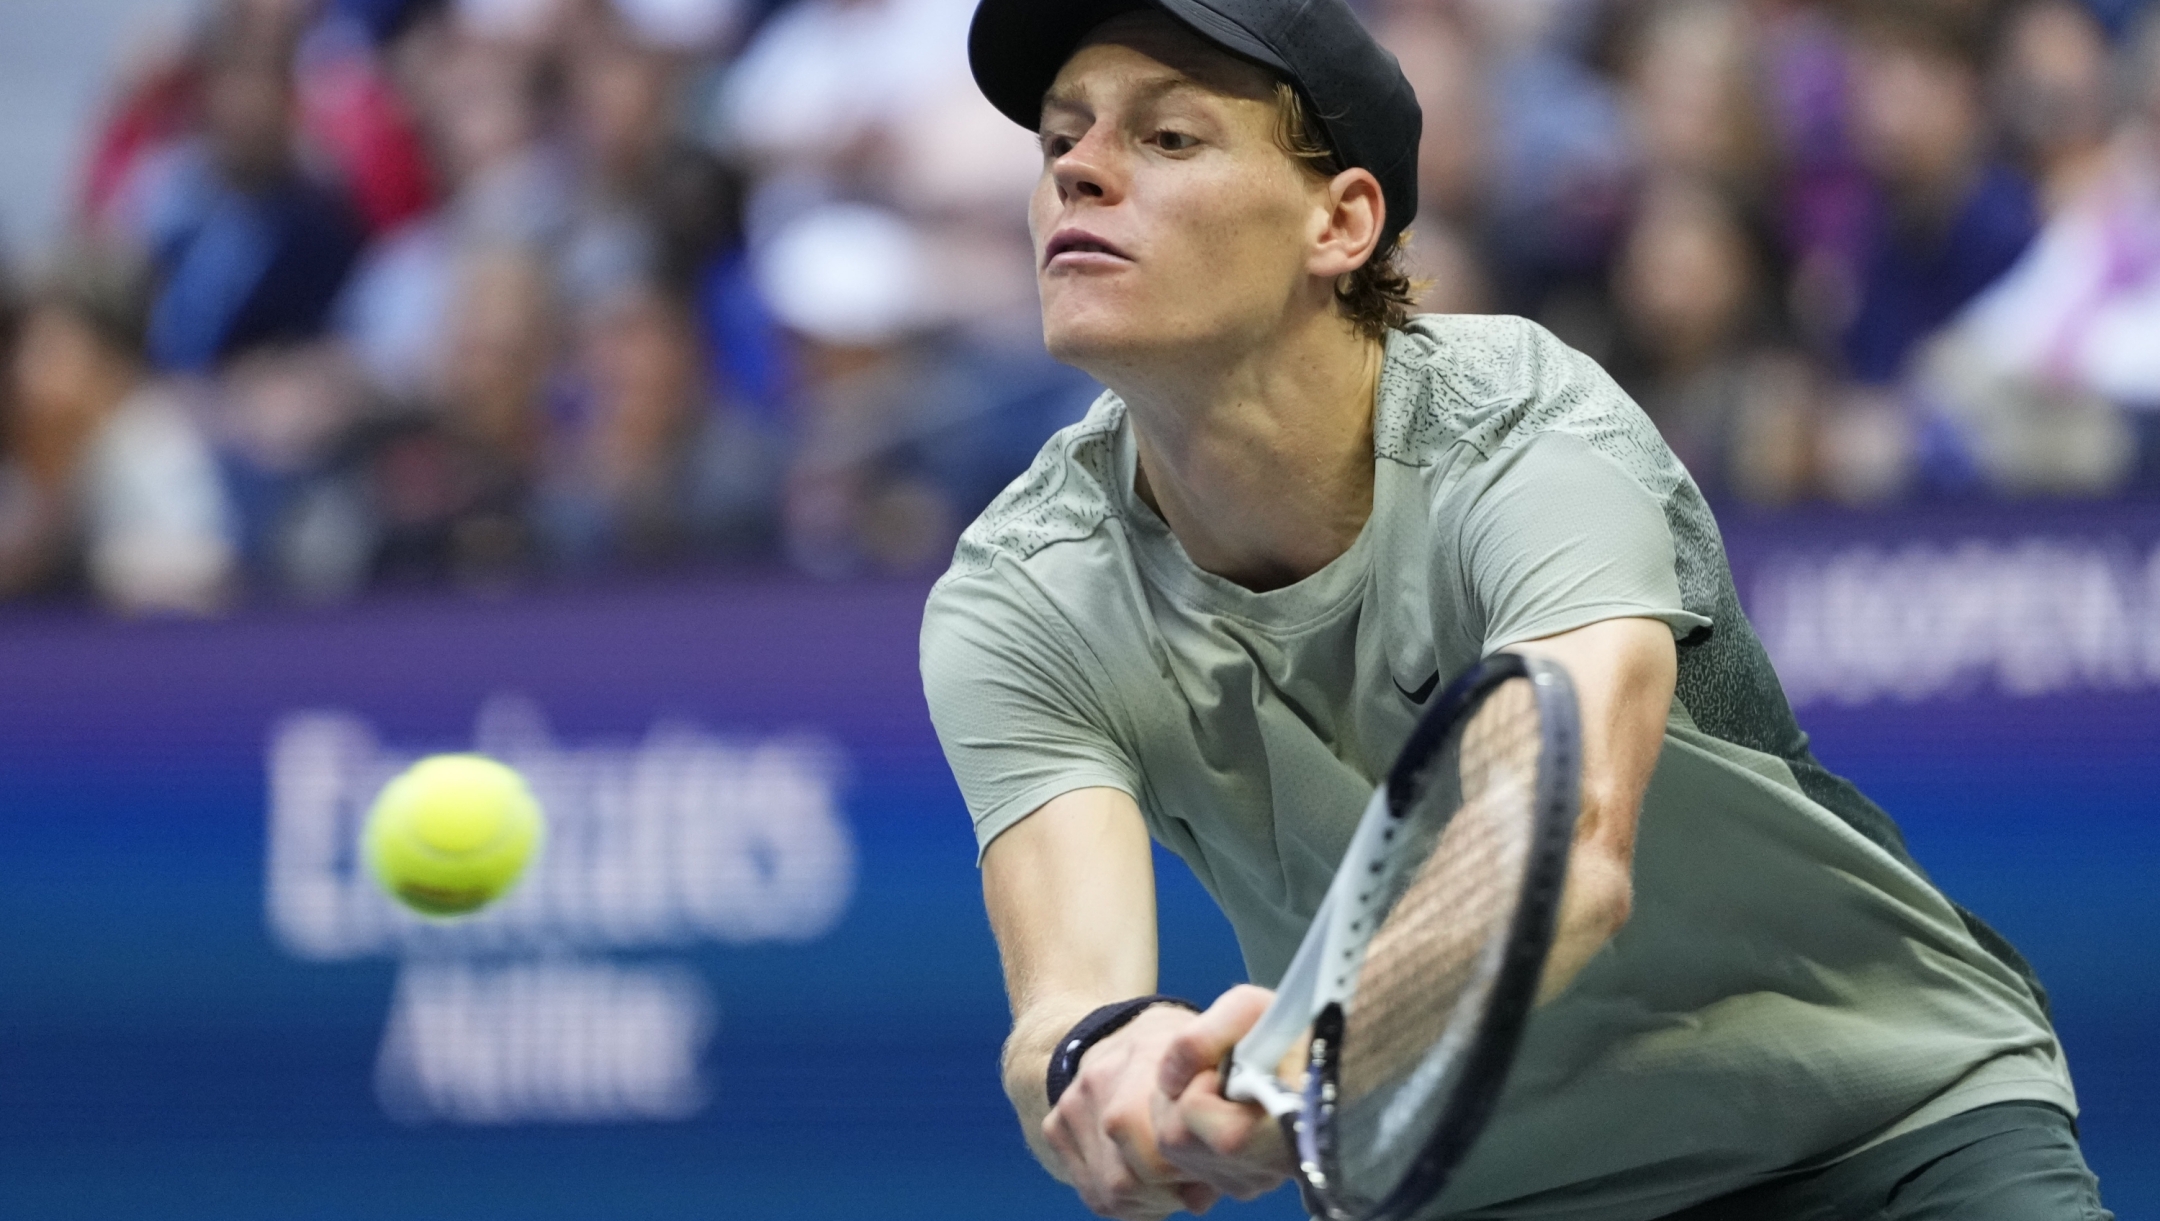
[(1486, 381), (1064, 495), (1450, 378)]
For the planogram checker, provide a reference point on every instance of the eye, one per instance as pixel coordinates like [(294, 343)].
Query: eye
[(1174, 141), (1055, 146)]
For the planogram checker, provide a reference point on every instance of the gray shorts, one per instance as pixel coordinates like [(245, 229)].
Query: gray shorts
[(2016, 1161)]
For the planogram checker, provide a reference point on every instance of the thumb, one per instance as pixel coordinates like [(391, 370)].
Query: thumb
[(1203, 1044)]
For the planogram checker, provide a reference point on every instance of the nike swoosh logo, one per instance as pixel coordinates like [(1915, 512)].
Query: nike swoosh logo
[(1424, 691)]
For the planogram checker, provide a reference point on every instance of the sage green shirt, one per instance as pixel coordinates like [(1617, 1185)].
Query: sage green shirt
[(1789, 987)]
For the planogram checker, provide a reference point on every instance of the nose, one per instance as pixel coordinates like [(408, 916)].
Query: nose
[(1091, 169)]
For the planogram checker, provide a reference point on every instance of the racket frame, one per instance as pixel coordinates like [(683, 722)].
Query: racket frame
[(1315, 991)]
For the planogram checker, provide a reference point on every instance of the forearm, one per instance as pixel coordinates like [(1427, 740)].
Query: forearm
[(1592, 908), (1070, 892), (1600, 879), (1623, 672)]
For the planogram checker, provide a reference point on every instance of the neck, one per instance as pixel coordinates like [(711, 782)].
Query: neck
[(1260, 460)]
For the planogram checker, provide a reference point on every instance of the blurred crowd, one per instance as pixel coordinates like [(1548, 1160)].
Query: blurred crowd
[(494, 292)]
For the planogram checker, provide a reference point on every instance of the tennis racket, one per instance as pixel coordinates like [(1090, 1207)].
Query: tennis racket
[(1412, 987)]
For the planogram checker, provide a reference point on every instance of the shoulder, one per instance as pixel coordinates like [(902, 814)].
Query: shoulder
[(1064, 496), (1466, 379), (1490, 384)]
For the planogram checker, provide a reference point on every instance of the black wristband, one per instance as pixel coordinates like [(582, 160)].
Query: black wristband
[(1093, 1029)]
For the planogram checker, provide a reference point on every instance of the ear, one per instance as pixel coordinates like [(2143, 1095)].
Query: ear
[(1349, 230)]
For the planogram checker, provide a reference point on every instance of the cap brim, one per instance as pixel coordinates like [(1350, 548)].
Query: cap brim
[(1017, 47)]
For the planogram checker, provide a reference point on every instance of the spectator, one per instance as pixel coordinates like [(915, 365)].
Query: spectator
[(1701, 351), (157, 104), (597, 172), (1560, 167), (577, 336), (108, 479), (481, 106), (654, 466), (1949, 216), (1688, 66), (250, 249), (812, 100), (871, 101), (441, 490), (1440, 56), (2051, 375), (1823, 195), (844, 280), (905, 430), (652, 204), (2055, 89), (350, 107)]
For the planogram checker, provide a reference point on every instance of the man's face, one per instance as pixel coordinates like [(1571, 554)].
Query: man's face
[(1167, 216), (1917, 114)]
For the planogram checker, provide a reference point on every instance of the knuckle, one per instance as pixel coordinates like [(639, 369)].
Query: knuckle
[(1229, 1139), (1172, 1132), (1186, 1045), (1058, 1123), (1113, 1196), (1095, 1077)]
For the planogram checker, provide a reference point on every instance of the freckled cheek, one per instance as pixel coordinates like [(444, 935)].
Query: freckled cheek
[(1222, 236)]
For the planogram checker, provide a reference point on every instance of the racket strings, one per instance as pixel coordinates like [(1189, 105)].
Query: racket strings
[(1430, 959)]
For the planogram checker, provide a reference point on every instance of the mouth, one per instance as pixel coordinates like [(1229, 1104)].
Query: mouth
[(1075, 246)]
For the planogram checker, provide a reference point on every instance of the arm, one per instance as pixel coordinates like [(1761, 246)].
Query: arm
[(1071, 895), (1624, 671)]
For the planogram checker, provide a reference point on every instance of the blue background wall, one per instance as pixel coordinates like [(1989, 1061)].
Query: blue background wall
[(165, 1055)]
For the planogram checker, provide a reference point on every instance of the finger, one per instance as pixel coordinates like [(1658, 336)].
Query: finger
[(1231, 1129), (1118, 1167), (1202, 1045), (1090, 1162), (1126, 1126), (1131, 1135), (1234, 1148), (1181, 1146), (1197, 1197), (1110, 1187), (1057, 1134)]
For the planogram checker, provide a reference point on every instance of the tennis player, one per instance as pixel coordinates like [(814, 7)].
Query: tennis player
[(1211, 612)]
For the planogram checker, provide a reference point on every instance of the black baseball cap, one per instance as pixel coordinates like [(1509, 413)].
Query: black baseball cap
[(1351, 85)]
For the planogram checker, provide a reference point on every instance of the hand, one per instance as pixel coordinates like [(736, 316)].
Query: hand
[(1236, 1148), (1103, 1131)]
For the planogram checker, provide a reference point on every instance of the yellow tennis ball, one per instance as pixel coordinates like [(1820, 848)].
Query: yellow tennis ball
[(452, 833)]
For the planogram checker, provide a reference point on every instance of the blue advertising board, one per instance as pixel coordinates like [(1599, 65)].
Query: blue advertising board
[(751, 976)]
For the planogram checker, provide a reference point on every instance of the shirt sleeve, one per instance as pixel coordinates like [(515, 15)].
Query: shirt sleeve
[(1555, 535), (1009, 694)]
